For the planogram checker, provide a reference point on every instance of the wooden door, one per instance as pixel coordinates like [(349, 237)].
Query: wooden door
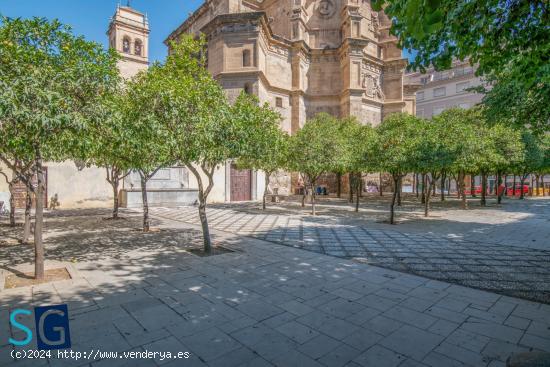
[(20, 192), (241, 184)]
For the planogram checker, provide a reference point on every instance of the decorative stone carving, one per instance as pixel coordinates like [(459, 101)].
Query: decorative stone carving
[(374, 22), (326, 8), (372, 84)]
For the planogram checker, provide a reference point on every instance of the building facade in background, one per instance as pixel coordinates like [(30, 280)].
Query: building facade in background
[(441, 90), (304, 57)]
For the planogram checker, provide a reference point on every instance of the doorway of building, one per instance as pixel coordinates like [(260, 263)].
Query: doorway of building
[(241, 184), (20, 192)]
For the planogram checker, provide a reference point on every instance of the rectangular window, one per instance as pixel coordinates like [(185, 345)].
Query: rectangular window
[(461, 87), (419, 96), (440, 92), (278, 102), (356, 29)]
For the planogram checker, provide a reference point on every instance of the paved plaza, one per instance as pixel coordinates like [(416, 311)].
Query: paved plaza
[(507, 252), (262, 305)]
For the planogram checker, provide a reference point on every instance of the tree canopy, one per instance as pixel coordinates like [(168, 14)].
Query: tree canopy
[(51, 84)]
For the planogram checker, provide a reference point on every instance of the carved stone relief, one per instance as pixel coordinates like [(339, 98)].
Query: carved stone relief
[(373, 86), (374, 22), (326, 8)]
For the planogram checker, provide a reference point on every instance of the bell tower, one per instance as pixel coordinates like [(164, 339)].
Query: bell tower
[(129, 34)]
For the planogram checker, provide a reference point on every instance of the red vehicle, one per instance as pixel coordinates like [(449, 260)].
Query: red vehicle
[(477, 190), (510, 190)]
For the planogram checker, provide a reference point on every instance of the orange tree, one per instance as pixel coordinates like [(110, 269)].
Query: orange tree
[(51, 83)]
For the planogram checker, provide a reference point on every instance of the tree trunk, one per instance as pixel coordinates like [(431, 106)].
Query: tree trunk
[(542, 185), (146, 222), (39, 220), (398, 188), (338, 185), (417, 184), (483, 200), (505, 185), (27, 224), (304, 196), (380, 179), (443, 179), (473, 186), (350, 179), (265, 189), (538, 184), (394, 197), (203, 195), (499, 183), (12, 203), (204, 223), (312, 199), (514, 186), (359, 187), (522, 182), (114, 183), (429, 185), (531, 187), (414, 183), (423, 197), (462, 189)]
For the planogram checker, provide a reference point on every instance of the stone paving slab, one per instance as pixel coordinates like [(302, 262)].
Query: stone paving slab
[(510, 270), (272, 305)]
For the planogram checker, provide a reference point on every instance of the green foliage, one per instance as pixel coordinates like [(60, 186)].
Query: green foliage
[(534, 154), (511, 101), (195, 110), (490, 32), (51, 84), (398, 139), (507, 39), (316, 148), (434, 151), (545, 146), (508, 145), (356, 142), (267, 147), (460, 127), (142, 135)]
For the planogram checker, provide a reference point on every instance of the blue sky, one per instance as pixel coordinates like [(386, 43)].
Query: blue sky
[(90, 18)]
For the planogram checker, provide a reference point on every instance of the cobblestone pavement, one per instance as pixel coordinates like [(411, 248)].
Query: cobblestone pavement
[(456, 258), (262, 305)]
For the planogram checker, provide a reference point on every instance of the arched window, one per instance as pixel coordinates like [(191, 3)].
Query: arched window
[(137, 47), (246, 58), (126, 45), (248, 88)]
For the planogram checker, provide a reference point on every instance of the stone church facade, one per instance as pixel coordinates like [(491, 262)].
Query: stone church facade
[(305, 56)]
